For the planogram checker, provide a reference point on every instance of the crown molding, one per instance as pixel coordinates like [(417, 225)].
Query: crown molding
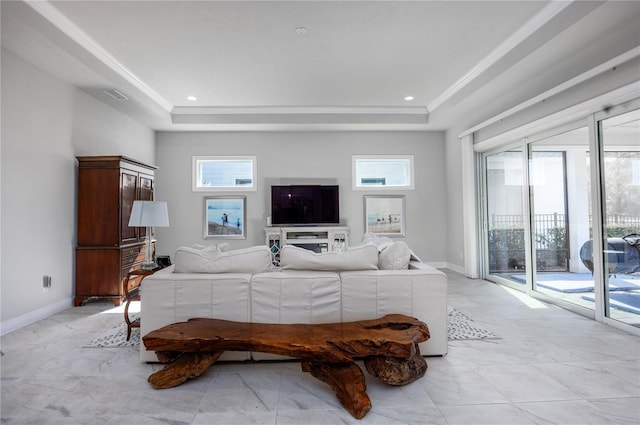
[(543, 17)]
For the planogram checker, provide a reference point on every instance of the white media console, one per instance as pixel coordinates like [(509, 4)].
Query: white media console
[(314, 238)]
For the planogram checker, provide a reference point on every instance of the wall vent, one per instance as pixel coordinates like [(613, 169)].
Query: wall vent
[(115, 94)]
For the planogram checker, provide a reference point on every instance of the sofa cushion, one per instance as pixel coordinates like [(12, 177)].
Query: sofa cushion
[(362, 257), (255, 259), (420, 293), (169, 297), (294, 296), (395, 257)]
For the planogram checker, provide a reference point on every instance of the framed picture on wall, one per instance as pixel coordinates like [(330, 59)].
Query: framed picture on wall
[(225, 217), (384, 215)]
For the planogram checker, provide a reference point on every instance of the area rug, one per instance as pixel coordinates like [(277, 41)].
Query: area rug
[(116, 337), (579, 282), (461, 327)]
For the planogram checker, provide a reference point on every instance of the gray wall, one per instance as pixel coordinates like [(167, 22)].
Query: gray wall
[(289, 157), (45, 124)]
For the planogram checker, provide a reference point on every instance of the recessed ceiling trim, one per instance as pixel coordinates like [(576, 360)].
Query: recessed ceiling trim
[(250, 110), (300, 119), (273, 115), (545, 15), (267, 127), (60, 21)]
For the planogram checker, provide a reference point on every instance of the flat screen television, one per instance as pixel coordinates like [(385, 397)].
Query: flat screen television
[(305, 205)]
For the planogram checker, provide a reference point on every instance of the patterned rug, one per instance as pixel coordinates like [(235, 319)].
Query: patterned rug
[(461, 327), (116, 337)]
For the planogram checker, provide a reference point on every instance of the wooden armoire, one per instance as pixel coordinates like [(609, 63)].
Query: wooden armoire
[(107, 248)]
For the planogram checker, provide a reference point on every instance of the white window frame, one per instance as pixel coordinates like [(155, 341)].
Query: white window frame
[(357, 184), (196, 185)]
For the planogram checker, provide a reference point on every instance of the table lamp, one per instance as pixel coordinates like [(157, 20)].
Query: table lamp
[(149, 214)]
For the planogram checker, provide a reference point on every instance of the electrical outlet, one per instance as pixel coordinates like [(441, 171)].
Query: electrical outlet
[(46, 283)]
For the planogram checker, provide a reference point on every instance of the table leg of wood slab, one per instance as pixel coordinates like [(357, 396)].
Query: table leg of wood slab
[(388, 345)]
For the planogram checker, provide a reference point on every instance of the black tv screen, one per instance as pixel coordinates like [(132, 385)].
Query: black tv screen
[(305, 204)]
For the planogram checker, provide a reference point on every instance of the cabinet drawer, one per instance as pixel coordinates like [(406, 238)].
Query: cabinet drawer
[(128, 261), (134, 251), (132, 255)]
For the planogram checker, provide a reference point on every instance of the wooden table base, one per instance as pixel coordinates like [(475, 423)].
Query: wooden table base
[(388, 345)]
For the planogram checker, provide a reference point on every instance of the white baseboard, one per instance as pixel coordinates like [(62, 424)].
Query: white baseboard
[(15, 323), (446, 265), (437, 264), (456, 268)]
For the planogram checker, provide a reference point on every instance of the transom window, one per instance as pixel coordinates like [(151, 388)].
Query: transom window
[(382, 172), (224, 173)]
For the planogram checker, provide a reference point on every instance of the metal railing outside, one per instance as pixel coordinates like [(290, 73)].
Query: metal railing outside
[(506, 240)]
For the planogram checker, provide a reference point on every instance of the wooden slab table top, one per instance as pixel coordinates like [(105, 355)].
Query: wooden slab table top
[(388, 346)]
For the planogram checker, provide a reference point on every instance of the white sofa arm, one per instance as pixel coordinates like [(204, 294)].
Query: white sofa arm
[(419, 265)]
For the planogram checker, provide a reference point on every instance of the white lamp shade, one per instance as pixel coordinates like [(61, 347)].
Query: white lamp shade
[(149, 214)]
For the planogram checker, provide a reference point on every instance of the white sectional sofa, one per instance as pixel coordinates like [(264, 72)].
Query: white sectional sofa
[(308, 288)]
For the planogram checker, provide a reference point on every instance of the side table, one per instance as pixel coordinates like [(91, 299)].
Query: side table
[(131, 289)]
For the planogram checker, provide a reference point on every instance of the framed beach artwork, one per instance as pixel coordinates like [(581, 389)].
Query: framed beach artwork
[(384, 215), (225, 217)]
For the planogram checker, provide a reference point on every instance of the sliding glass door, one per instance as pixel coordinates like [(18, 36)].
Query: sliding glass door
[(562, 215), (560, 205), (505, 218), (620, 168)]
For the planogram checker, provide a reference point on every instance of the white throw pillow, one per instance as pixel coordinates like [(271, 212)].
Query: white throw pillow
[(381, 242), (256, 259), (395, 257), (222, 247), (362, 257)]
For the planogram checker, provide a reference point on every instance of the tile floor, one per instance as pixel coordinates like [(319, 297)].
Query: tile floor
[(550, 367)]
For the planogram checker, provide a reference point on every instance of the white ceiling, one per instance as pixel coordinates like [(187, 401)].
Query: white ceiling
[(251, 67)]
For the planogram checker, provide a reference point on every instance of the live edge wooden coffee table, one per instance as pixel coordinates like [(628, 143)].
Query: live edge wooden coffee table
[(388, 345)]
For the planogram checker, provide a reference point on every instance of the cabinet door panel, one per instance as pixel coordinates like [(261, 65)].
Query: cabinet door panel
[(145, 193), (128, 192), (146, 188), (98, 198)]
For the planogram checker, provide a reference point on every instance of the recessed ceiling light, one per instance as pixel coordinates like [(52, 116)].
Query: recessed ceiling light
[(192, 98), (408, 98)]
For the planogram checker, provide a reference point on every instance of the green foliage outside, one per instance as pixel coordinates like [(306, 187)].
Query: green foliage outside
[(507, 253), (507, 250), (620, 231)]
